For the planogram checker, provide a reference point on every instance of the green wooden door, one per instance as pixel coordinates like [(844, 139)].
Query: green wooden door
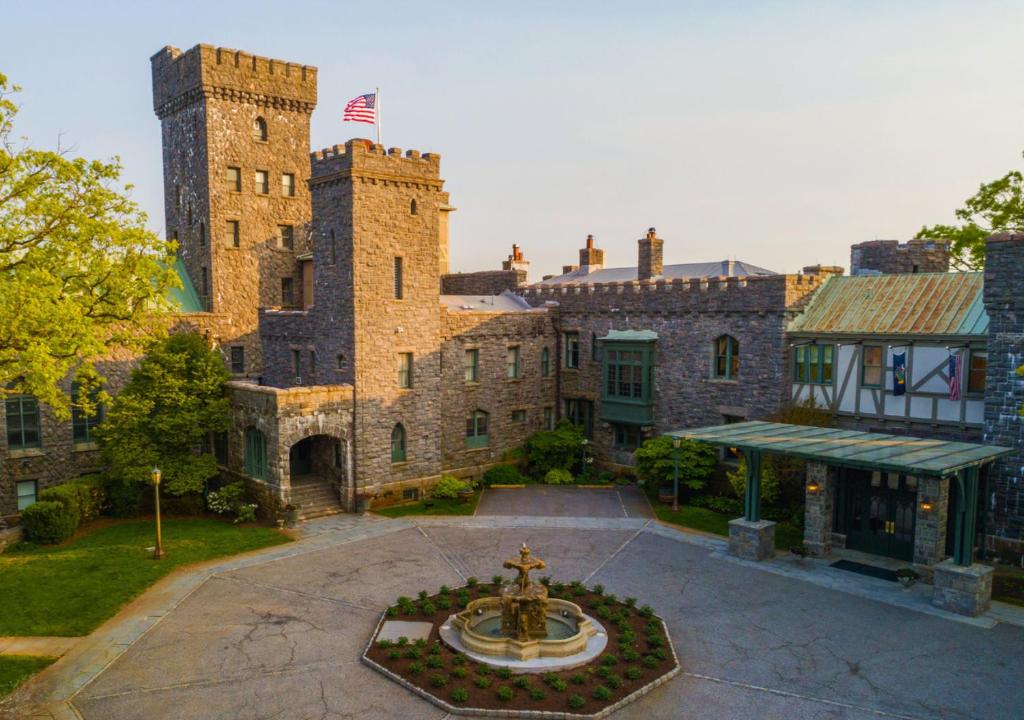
[(881, 511)]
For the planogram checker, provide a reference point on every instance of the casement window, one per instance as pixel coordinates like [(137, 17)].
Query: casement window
[(262, 182), (287, 292), (398, 444), (579, 412), (872, 366), (624, 374), (518, 416), (405, 370), (233, 179), (977, 364), (727, 358), (255, 454), (545, 363), (399, 290), (472, 366), (288, 185), (512, 369), (814, 364), (234, 233), (286, 234), (28, 491), (549, 418), (571, 349), (81, 424), (476, 429), (237, 359), (22, 423)]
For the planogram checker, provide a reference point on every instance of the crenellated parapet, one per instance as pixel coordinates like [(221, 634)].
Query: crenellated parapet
[(370, 162), (183, 78)]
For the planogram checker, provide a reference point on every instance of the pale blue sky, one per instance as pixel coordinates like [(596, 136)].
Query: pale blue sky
[(776, 132)]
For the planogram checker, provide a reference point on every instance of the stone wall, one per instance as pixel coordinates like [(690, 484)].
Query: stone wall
[(1004, 394), (890, 257), (486, 282)]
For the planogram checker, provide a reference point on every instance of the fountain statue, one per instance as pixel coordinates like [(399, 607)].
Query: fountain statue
[(524, 604)]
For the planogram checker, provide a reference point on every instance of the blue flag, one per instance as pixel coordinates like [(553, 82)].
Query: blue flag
[(899, 373)]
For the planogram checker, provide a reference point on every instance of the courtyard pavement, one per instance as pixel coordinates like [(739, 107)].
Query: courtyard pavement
[(278, 634)]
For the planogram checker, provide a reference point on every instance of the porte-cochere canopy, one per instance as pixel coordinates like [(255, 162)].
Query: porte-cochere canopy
[(850, 448)]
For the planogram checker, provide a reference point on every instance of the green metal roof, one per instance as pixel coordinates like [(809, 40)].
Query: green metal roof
[(850, 448), (630, 336), (910, 304), (184, 299)]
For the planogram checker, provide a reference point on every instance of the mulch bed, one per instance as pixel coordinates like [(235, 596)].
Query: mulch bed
[(638, 653)]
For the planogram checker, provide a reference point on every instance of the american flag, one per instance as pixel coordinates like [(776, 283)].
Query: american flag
[(362, 109), (956, 371)]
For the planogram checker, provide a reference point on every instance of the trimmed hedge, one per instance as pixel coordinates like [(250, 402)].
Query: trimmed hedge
[(66, 495), (47, 522), (503, 475)]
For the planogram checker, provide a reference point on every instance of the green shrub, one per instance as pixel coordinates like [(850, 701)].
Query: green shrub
[(655, 462), (609, 659), (598, 590), (646, 611), (438, 680), (630, 655), (576, 701), (471, 581), (655, 641), (415, 668), (403, 640), (444, 590), (482, 681), (443, 602), (660, 653), (435, 649), (394, 654), (613, 681), (434, 662), (602, 693), (560, 449), (633, 672), (505, 693), (47, 522), (521, 682), (558, 476), (459, 660), (384, 643), (413, 653), (497, 580), (66, 495), (448, 487), (558, 685), (769, 481), (630, 602), (483, 669), (503, 475), (460, 672), (604, 671), (91, 496), (536, 693), (504, 673), (420, 643), (428, 608), (460, 695), (188, 503), (123, 499), (650, 661), (578, 678)]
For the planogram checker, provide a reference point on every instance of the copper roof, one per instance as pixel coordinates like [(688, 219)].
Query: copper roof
[(916, 304)]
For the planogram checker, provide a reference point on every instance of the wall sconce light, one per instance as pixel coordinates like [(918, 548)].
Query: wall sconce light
[(926, 506), (813, 488)]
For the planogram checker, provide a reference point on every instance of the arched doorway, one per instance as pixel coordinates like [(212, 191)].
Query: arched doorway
[(316, 466)]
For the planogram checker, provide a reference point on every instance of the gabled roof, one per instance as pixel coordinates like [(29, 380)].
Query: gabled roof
[(917, 304), (684, 271)]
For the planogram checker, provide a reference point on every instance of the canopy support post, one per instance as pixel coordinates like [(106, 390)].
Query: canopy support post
[(752, 493)]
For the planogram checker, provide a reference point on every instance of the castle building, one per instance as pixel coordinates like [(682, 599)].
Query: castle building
[(365, 368)]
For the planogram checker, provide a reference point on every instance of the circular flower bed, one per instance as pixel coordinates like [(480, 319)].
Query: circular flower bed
[(639, 655)]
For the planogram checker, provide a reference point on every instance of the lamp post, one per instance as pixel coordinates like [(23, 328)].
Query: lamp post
[(154, 476), (583, 458), (675, 474)]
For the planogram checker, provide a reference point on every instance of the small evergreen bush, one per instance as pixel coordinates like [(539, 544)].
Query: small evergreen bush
[(460, 695), (66, 495), (558, 476), (576, 701), (505, 693), (47, 522), (602, 693), (503, 475), (448, 487)]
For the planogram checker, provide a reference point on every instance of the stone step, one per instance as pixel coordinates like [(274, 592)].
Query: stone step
[(321, 511)]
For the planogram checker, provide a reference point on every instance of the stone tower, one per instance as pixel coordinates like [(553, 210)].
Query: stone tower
[(377, 217), (890, 257), (235, 133)]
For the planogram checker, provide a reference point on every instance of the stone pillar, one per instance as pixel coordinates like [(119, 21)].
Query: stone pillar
[(963, 589), (752, 539), (930, 522), (819, 493)]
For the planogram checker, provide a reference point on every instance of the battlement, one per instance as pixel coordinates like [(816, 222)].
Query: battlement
[(204, 70), (364, 157), (891, 256)]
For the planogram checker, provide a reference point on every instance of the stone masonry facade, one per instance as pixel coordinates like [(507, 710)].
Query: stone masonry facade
[(889, 257)]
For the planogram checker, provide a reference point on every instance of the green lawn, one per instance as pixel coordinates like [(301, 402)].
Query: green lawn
[(16, 669), (71, 589), (786, 534), (433, 507)]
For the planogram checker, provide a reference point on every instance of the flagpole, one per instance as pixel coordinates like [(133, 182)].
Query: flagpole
[(376, 98)]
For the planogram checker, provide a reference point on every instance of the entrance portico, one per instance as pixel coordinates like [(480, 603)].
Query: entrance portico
[(884, 494)]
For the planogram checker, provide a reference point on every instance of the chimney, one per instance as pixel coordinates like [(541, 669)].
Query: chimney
[(651, 264), (591, 257), (515, 261)]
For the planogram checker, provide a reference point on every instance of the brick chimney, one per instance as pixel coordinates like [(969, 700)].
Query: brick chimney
[(591, 257), (515, 261), (651, 263)]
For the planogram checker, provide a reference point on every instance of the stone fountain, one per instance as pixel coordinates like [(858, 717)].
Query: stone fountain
[(522, 628)]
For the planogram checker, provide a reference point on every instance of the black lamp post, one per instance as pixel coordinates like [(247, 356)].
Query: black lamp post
[(154, 476)]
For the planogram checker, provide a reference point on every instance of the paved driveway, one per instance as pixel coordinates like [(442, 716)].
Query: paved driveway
[(557, 501), (281, 638)]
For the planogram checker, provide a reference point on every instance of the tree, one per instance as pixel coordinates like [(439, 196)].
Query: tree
[(79, 272), (560, 448), (165, 414), (998, 206), (655, 462)]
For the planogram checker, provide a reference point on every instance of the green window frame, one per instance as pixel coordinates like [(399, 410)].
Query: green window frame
[(255, 454), (814, 364), (625, 437), (977, 364), (23, 432), (512, 365), (872, 366), (571, 349), (398, 443), (476, 429), (28, 493), (81, 424), (625, 374), (471, 365), (545, 362), (405, 370), (727, 358)]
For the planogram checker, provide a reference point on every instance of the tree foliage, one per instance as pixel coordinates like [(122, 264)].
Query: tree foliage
[(164, 415), (560, 448), (655, 462), (79, 272), (998, 206)]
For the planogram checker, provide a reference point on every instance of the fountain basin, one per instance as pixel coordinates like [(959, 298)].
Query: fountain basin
[(574, 638)]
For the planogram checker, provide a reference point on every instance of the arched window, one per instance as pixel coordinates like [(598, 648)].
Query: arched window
[(398, 444), (259, 129), (255, 454), (412, 207), (545, 362), (727, 358), (341, 361), (476, 429)]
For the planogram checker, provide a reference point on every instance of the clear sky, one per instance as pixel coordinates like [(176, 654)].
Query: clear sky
[(778, 133)]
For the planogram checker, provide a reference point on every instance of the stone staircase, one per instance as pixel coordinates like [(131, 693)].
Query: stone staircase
[(315, 499)]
